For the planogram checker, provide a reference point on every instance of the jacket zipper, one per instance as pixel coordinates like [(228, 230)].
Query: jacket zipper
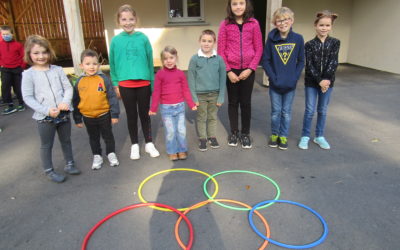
[(322, 55), (241, 49)]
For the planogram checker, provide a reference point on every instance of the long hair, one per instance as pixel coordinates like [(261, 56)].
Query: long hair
[(248, 12), (33, 40)]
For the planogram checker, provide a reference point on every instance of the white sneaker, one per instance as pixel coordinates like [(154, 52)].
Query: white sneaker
[(112, 158), (97, 161), (135, 152), (151, 149)]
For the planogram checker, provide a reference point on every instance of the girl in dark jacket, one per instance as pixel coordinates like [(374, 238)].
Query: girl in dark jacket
[(321, 64)]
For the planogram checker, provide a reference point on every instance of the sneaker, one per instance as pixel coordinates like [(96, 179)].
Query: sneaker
[(282, 144), (55, 177), (21, 108), (321, 141), (112, 158), (2, 103), (97, 161), (273, 141), (203, 145), (182, 155), (173, 157), (9, 110), (71, 169), (135, 152), (151, 150), (246, 141), (233, 140), (213, 142), (303, 143)]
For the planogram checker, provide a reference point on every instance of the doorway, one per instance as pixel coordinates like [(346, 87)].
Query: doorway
[(260, 10)]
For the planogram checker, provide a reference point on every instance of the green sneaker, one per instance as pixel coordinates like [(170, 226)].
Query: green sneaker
[(283, 143), (21, 108), (273, 141)]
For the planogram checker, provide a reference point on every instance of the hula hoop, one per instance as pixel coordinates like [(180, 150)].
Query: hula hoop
[(178, 239), (170, 170), (313, 244), (93, 229), (278, 190)]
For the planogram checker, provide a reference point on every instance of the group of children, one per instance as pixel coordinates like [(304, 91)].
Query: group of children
[(94, 98)]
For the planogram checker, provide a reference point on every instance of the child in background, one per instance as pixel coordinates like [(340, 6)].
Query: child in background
[(321, 64), (240, 45), (170, 91), (283, 62), (207, 79), (132, 74), (47, 90), (95, 101), (12, 64)]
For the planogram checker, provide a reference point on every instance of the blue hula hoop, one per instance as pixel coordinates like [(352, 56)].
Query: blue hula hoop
[(313, 244)]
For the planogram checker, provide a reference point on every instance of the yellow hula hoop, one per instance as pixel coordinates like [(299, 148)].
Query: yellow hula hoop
[(171, 170)]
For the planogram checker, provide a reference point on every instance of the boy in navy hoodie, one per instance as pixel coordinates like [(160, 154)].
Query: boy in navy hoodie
[(283, 61)]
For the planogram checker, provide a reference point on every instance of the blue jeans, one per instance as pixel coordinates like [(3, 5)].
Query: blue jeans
[(281, 112), (311, 101), (173, 117)]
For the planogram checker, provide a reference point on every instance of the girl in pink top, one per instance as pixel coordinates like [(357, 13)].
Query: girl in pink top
[(171, 89), (240, 45)]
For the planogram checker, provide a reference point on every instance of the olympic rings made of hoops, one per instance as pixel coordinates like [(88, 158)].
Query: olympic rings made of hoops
[(170, 170), (278, 190), (189, 224), (178, 239), (313, 244)]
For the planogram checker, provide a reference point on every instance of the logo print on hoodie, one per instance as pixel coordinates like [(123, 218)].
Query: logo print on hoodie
[(285, 50), (100, 87)]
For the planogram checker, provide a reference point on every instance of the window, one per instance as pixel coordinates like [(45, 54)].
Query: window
[(181, 11)]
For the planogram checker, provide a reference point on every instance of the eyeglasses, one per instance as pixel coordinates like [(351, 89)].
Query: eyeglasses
[(279, 22)]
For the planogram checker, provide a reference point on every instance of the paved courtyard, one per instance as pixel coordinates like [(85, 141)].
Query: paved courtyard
[(354, 186)]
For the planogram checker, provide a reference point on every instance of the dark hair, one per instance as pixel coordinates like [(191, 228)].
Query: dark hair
[(248, 12), (89, 53), (325, 14), (33, 40), (6, 27), (210, 33)]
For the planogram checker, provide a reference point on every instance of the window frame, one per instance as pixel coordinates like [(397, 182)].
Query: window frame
[(185, 19)]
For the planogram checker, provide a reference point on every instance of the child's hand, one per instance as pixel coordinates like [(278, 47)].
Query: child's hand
[(233, 77), (194, 108), (79, 125), (152, 113), (324, 89), (54, 112), (197, 104), (114, 120), (219, 104), (63, 106), (245, 73), (116, 89)]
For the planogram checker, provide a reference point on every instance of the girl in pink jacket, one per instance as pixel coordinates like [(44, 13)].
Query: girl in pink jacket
[(240, 45)]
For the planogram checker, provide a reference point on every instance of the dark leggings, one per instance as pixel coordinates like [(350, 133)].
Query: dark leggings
[(11, 78), (100, 126), (239, 94), (137, 100)]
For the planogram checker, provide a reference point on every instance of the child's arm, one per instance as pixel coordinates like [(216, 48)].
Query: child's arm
[(333, 62), (149, 53), (186, 92), (310, 67), (76, 114), (222, 82), (300, 58), (221, 46), (112, 100), (68, 90), (155, 97), (258, 47), (21, 56), (28, 94), (111, 58), (267, 61), (192, 79)]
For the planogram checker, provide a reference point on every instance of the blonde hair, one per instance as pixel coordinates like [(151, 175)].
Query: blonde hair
[(33, 40), (282, 12), (325, 14), (125, 8), (168, 49)]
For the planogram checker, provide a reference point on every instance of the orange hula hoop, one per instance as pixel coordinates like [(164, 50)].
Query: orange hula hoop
[(264, 221)]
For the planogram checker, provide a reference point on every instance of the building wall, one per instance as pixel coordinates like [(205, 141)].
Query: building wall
[(153, 20), (304, 14), (375, 38)]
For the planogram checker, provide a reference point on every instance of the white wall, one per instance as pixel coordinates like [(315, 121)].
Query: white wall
[(153, 19), (375, 37), (304, 16)]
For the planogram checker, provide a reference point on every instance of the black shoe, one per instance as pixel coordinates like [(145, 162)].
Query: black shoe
[(273, 141), (283, 144), (9, 110), (233, 140), (213, 142), (71, 169), (203, 145), (246, 141), (53, 176)]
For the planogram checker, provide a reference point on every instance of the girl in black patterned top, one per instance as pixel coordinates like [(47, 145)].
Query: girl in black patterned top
[(321, 64)]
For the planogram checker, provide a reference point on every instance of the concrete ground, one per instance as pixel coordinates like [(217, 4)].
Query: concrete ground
[(354, 186)]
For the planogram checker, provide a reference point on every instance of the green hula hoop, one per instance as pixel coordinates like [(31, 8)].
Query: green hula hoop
[(278, 190)]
